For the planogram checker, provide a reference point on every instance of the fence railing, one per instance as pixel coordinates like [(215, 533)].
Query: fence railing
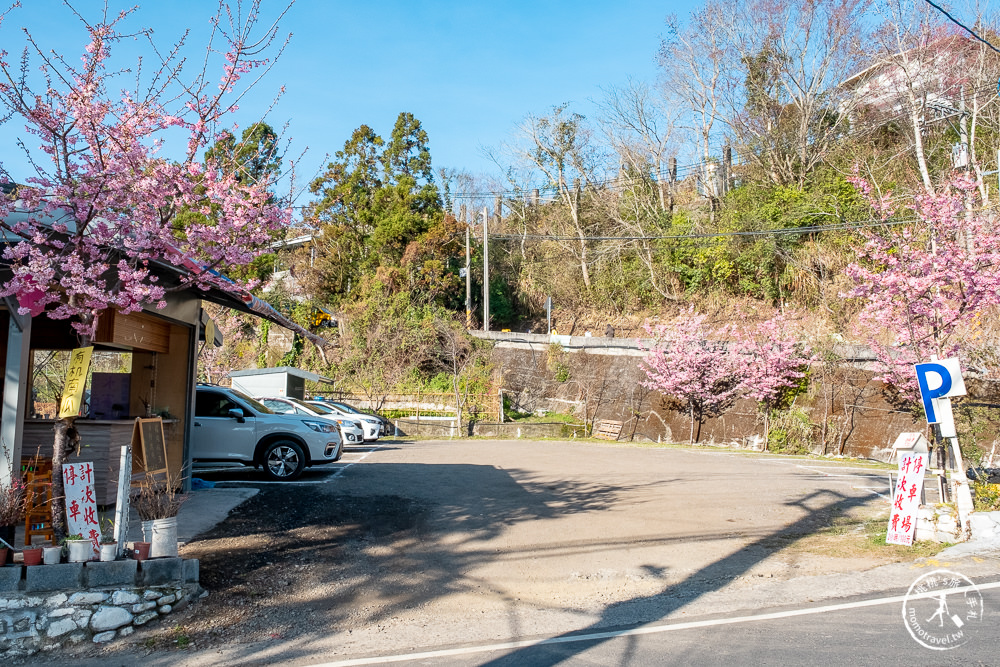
[(427, 404)]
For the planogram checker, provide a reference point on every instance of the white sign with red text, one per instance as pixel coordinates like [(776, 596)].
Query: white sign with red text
[(81, 507), (906, 498)]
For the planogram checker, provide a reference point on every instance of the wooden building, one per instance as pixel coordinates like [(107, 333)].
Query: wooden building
[(157, 376)]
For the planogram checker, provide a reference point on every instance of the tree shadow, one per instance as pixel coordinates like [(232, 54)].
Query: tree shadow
[(655, 607), (365, 559)]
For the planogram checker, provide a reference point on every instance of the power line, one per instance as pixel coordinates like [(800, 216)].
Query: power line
[(789, 231), (963, 27)]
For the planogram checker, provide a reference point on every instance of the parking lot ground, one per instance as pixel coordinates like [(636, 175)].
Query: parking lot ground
[(423, 544)]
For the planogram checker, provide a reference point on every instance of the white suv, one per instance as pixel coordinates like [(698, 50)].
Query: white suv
[(350, 429), (372, 424), (231, 427)]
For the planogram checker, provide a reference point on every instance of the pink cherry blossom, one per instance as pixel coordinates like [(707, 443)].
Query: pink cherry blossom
[(925, 286), (102, 203)]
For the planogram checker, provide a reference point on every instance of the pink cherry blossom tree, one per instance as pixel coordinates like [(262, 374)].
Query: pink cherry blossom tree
[(773, 361), (100, 206), (927, 285), (691, 362)]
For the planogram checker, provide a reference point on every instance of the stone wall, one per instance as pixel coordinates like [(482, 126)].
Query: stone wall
[(43, 607), (844, 410), (446, 428)]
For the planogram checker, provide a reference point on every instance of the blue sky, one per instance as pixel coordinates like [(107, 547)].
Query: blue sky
[(469, 71)]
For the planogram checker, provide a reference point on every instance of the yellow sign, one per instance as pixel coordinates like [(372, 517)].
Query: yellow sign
[(76, 380), (210, 333)]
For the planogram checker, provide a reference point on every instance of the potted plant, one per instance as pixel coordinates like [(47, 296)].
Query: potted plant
[(80, 549), (157, 502), (109, 545), (12, 505), (32, 555)]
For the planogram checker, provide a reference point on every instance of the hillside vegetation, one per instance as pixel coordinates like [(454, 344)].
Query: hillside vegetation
[(817, 160)]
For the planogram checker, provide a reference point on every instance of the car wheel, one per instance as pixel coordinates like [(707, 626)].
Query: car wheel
[(283, 461)]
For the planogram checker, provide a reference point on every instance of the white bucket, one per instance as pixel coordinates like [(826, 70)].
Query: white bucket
[(108, 552), (51, 555), (164, 538), (80, 551)]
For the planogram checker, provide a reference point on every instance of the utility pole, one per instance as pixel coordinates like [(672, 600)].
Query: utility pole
[(468, 280), (486, 271)]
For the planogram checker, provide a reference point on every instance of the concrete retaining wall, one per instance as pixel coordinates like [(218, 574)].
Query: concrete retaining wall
[(43, 607), (446, 428)]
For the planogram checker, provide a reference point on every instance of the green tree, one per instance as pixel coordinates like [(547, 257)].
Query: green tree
[(252, 158), (381, 217)]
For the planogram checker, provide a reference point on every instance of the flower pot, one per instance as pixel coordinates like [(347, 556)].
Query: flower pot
[(164, 540), (140, 550), (32, 555), (147, 530), (80, 551), (51, 555), (108, 552)]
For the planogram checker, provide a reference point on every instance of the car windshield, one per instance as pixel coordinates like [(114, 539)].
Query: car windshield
[(320, 408), (348, 408), (311, 409), (252, 402)]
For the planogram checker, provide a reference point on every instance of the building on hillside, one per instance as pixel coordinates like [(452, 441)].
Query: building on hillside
[(934, 77)]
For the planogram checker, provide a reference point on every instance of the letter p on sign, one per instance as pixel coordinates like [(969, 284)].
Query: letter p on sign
[(939, 379)]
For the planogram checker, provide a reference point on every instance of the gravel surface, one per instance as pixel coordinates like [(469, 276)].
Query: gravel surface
[(427, 544)]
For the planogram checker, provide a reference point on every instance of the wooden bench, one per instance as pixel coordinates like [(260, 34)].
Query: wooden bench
[(608, 430)]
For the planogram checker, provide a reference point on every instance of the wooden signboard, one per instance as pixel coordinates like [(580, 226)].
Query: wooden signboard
[(149, 449), (76, 380)]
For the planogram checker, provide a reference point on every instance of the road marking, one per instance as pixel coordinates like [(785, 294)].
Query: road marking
[(340, 472), (342, 465), (875, 490), (645, 630)]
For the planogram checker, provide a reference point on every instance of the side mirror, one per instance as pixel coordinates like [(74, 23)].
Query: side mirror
[(237, 414)]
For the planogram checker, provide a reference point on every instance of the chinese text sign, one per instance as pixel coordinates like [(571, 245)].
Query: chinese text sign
[(76, 380), (906, 498), (81, 507)]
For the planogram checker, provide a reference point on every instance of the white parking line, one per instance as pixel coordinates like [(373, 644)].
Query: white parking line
[(340, 472), (645, 630), (342, 466)]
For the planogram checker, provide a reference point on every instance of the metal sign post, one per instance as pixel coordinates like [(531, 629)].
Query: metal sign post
[(122, 504)]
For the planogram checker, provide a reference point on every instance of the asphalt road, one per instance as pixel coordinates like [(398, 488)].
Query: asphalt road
[(858, 631)]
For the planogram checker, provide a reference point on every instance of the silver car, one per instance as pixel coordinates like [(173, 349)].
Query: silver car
[(373, 425), (350, 429), (231, 427)]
